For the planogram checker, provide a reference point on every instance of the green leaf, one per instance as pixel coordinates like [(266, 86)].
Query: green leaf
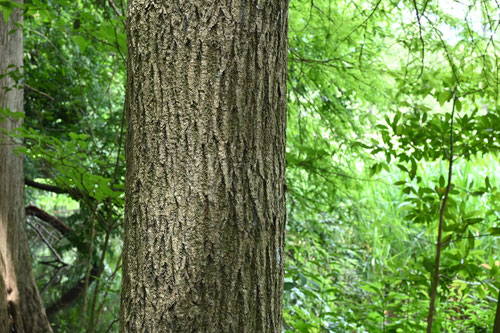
[(7, 113), (487, 183), (471, 240), (302, 326), (480, 291), (7, 8), (82, 43), (444, 97), (408, 190), (495, 231), (413, 171), (6, 11), (402, 167), (441, 181), (397, 117)]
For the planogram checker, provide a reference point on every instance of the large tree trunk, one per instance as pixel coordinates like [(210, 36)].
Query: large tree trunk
[(205, 207), (21, 308)]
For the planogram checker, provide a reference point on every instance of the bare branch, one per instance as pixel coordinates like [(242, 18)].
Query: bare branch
[(51, 248)]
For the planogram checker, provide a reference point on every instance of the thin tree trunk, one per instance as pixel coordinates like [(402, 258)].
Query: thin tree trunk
[(496, 325), (205, 207), (439, 244), (21, 308)]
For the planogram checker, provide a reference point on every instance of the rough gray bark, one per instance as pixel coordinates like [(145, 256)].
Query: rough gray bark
[(21, 308), (205, 207)]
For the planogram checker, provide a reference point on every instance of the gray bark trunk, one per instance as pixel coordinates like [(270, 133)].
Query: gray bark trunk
[(205, 207), (21, 308)]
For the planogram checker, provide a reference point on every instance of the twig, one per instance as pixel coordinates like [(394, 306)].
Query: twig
[(111, 325), (366, 20), (52, 279), (38, 91), (113, 5), (51, 248), (421, 39)]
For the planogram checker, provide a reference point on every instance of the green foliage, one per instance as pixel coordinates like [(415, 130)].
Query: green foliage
[(380, 96), (329, 174)]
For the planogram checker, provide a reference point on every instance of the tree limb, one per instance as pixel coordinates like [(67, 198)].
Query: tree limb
[(56, 223), (44, 187)]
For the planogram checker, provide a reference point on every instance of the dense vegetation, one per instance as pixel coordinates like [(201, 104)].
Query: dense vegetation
[(392, 158)]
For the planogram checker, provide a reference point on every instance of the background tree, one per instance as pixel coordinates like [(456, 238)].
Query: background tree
[(21, 308), (205, 209)]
